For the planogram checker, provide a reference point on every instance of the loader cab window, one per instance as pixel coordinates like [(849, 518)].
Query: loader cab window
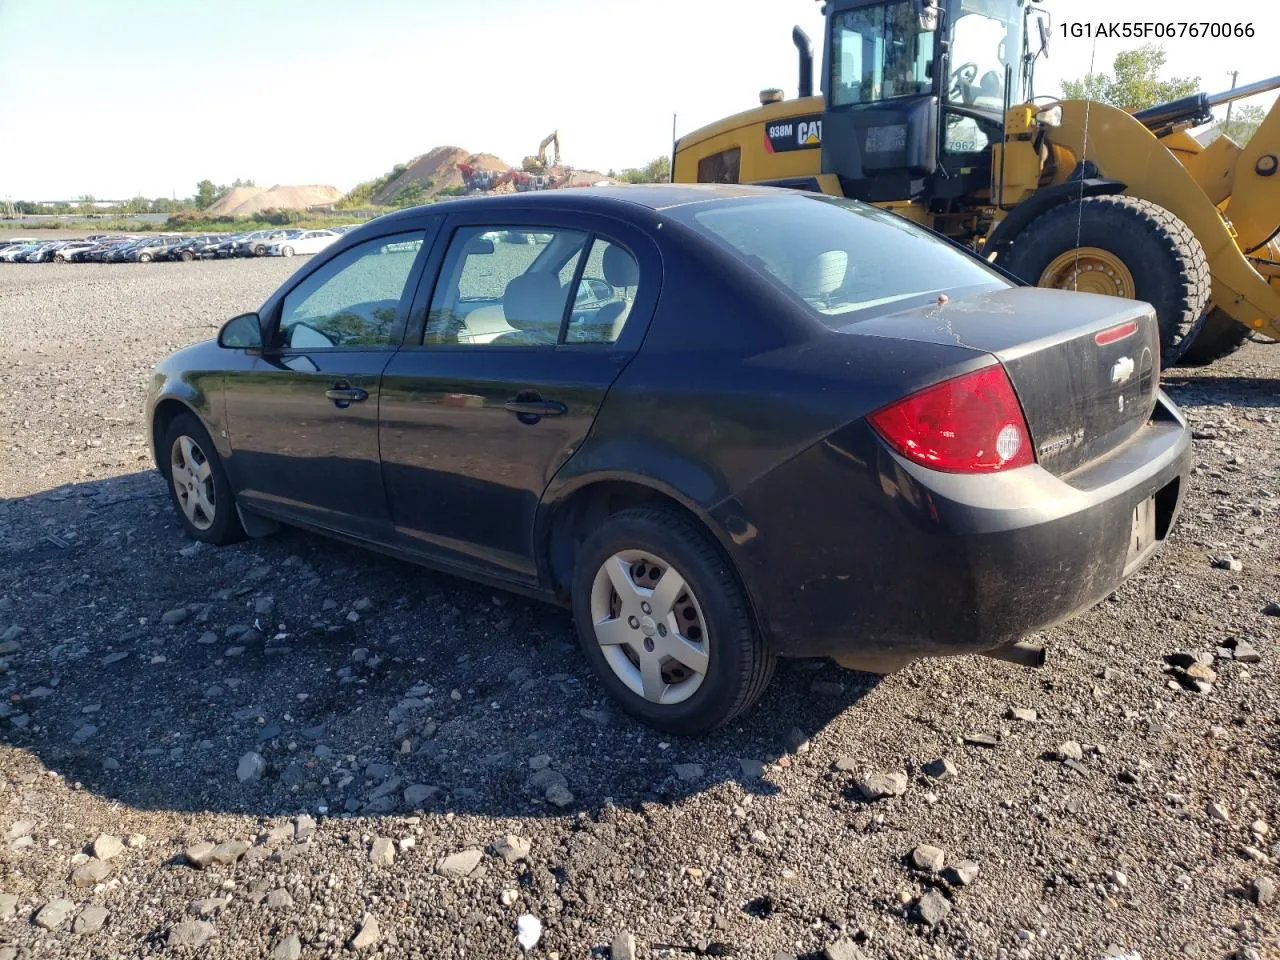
[(986, 38), (878, 53)]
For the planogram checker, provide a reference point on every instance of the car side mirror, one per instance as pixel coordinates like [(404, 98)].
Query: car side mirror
[(241, 333), (595, 288), (927, 15), (479, 245)]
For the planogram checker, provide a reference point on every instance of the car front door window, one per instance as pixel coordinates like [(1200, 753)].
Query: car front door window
[(352, 300)]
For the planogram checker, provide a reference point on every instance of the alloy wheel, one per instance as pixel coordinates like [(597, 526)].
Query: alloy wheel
[(650, 627), (192, 477)]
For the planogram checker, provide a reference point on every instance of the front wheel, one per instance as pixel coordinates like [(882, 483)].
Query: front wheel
[(198, 483), (59, 258), (144, 258), (665, 623), (1122, 247), (259, 250), (286, 251), (187, 256)]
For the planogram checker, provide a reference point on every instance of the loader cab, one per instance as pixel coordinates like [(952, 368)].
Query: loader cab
[(915, 94)]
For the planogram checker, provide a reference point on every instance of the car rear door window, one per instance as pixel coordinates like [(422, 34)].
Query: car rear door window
[(605, 294), (505, 286), (352, 300)]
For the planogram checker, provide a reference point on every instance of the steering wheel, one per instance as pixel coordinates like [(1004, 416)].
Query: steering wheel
[(961, 81)]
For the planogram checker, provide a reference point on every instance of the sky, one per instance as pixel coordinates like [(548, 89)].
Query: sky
[(127, 97)]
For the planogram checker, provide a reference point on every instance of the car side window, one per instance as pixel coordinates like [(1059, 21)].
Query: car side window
[(505, 286), (353, 299), (605, 294)]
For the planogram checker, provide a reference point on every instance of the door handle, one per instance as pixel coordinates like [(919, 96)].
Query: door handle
[(536, 408), (343, 394)]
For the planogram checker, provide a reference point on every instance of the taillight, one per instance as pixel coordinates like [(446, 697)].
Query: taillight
[(969, 424)]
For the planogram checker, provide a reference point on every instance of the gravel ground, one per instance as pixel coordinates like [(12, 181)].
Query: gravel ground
[(290, 749)]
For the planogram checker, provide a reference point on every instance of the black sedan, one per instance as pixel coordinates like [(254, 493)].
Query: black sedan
[(723, 424)]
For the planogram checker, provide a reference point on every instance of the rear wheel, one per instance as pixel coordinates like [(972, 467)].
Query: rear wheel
[(59, 258), (665, 623), (144, 258), (187, 256), (1220, 336), (1122, 247), (198, 484)]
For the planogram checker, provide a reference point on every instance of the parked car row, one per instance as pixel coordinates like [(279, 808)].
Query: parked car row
[(104, 248)]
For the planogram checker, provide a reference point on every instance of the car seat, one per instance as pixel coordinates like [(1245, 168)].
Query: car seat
[(620, 272), (533, 304)]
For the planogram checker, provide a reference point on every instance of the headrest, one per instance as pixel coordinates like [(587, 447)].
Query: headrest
[(823, 274), (534, 301), (620, 268)]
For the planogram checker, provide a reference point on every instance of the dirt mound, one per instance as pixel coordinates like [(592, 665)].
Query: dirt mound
[(247, 201), (233, 199), (437, 171)]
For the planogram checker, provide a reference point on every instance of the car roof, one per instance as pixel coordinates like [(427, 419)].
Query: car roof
[(654, 196)]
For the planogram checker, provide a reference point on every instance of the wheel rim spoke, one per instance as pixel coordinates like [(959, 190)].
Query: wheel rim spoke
[(204, 503), (187, 446), (614, 632), (684, 652), (651, 683), (181, 475), (203, 471), (620, 576), (189, 506), (666, 592)]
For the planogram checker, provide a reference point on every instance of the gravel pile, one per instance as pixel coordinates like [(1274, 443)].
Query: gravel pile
[(292, 749)]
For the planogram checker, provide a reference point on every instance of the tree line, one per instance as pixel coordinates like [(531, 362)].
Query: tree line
[(1135, 84)]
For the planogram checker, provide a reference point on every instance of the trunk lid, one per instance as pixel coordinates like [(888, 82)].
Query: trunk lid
[(1085, 367)]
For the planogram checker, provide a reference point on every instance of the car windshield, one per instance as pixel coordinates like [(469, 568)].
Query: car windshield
[(846, 260)]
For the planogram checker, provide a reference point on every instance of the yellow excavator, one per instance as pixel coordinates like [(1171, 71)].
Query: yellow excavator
[(538, 162), (928, 110)]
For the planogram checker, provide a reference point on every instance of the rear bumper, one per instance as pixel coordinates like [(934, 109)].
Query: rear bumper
[(857, 552)]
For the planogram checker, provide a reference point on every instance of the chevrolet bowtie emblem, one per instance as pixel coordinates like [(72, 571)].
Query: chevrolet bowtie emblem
[(1122, 370)]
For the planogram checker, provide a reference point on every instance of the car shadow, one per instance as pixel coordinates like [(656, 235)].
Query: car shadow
[(297, 673), (1191, 389)]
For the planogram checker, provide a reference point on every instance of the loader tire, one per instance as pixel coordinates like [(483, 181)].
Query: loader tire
[(1126, 247), (1219, 336)]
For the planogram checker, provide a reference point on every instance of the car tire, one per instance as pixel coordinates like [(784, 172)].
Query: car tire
[(144, 258), (59, 258), (1220, 336), (724, 664), (187, 256), (286, 251), (259, 250), (1162, 260), (203, 499)]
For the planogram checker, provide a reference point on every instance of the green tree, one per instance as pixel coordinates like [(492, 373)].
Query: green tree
[(655, 171), (206, 194), (1135, 83), (411, 194), (138, 204), (1243, 125), (84, 204)]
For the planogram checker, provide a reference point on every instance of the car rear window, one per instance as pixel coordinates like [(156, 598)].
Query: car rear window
[(846, 260)]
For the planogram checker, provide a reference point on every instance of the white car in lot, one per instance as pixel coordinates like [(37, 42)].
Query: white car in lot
[(309, 241)]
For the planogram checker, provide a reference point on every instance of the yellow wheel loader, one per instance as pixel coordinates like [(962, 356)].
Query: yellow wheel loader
[(928, 110)]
